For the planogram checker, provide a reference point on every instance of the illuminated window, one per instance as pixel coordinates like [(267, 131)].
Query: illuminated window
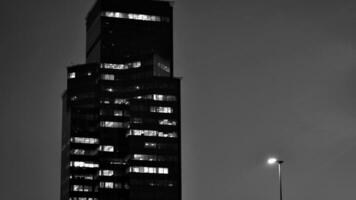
[(162, 170), (74, 98), (82, 164), (145, 157), (113, 66), (167, 122), (84, 177), (109, 89), (76, 188), (152, 133), (81, 188), (133, 16), (83, 152), (110, 124), (109, 77), (121, 101), (149, 133), (104, 101), (118, 113), (71, 75), (106, 148), (118, 162), (115, 101), (121, 66), (157, 97), (83, 140), (144, 17), (148, 170), (170, 135), (136, 64), (109, 112), (160, 109), (150, 145), (78, 152), (163, 67), (89, 73), (108, 185), (106, 173), (138, 97)]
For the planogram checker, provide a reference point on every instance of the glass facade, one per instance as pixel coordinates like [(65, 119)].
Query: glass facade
[(134, 16), (121, 110)]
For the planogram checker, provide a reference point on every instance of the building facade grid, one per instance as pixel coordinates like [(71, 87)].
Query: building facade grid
[(121, 135)]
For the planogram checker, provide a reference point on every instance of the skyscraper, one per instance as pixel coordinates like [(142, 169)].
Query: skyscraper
[(121, 110)]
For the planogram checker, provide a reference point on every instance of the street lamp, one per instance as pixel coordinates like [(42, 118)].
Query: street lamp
[(273, 161)]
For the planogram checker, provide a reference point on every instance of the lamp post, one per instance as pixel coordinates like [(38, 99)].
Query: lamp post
[(273, 161)]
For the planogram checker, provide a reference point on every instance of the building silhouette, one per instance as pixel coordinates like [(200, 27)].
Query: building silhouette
[(121, 110)]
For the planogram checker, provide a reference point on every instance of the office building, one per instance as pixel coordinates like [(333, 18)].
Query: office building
[(121, 111)]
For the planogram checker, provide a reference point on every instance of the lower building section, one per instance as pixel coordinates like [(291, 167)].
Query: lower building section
[(121, 132)]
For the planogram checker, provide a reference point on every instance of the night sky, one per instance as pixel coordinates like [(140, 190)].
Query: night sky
[(260, 78)]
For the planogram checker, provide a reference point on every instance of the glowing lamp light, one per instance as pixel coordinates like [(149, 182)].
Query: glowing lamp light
[(272, 161)]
